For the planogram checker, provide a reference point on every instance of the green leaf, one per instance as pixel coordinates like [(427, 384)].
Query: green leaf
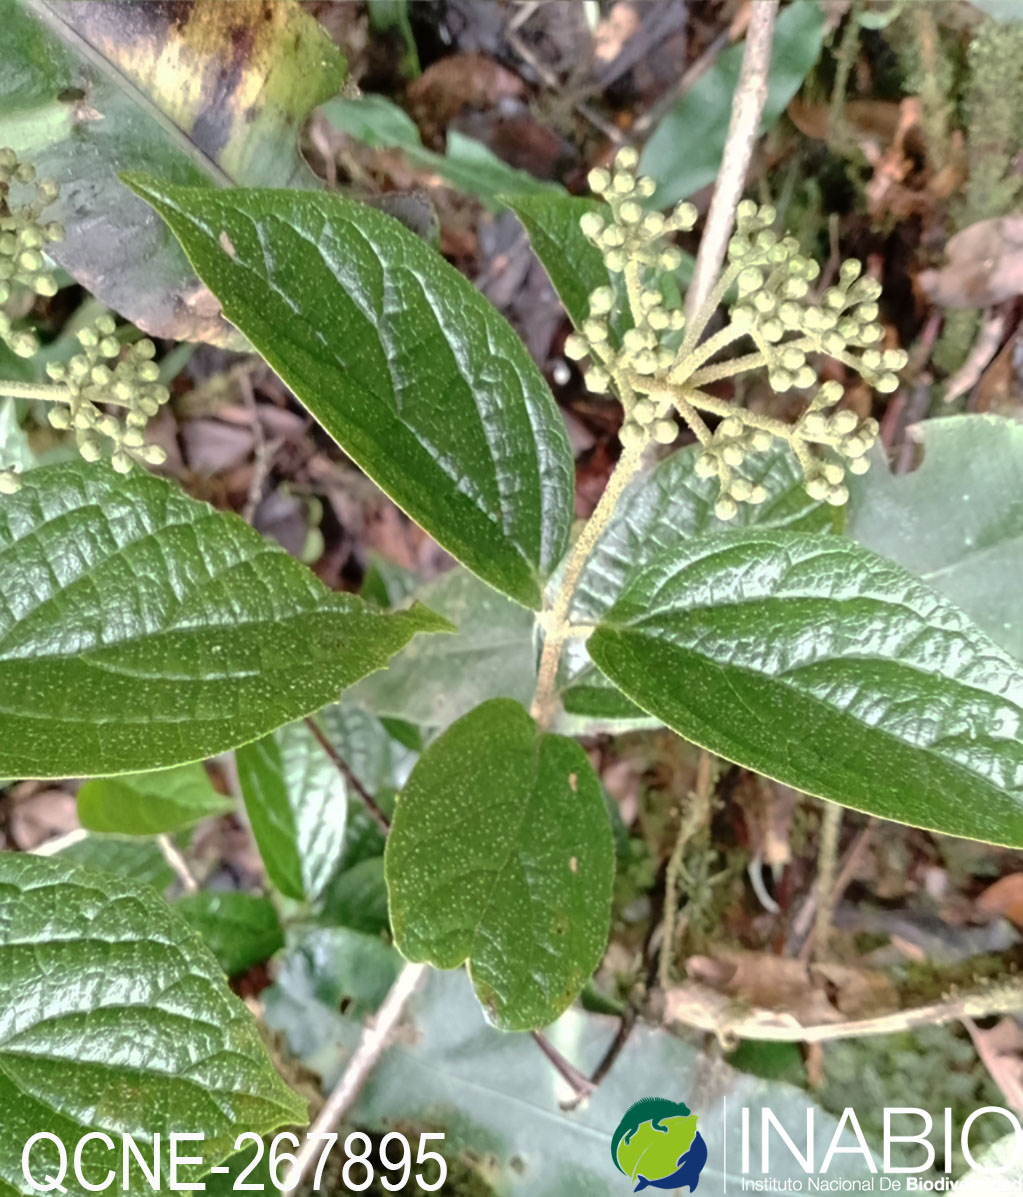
[(135, 859), (401, 360), (660, 512), (812, 661), (239, 929), (141, 629), (957, 521), (140, 1035), (150, 803), (574, 264), (209, 94), (297, 802), (468, 164), (684, 151), (669, 505), (492, 655), (340, 967), (356, 897), (501, 854)]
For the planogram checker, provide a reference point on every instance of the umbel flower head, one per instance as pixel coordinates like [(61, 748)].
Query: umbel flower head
[(24, 236), (660, 365), (105, 374)]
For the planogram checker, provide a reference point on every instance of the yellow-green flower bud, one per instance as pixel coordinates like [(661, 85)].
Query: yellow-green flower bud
[(726, 508), (706, 465), (644, 411), (599, 180), (627, 158), (575, 348), (631, 435), (10, 483), (597, 379), (90, 449), (592, 224), (844, 421), (602, 300), (59, 417), (665, 431)]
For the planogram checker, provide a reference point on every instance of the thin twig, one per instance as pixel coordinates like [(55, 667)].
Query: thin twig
[(827, 855), (747, 106), (343, 767), (580, 1085), (985, 347), (178, 863), (802, 923), (691, 820), (376, 1035)]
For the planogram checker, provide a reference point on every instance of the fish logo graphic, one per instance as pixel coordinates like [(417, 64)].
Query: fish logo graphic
[(657, 1143)]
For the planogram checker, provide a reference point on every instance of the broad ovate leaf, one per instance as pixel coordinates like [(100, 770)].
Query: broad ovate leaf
[(150, 803), (114, 1017), (205, 93), (957, 520), (501, 854), (414, 374), (815, 662), (140, 628)]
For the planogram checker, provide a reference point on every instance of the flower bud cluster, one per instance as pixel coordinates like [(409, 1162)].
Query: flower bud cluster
[(726, 450), (774, 301), (633, 234), (632, 237), (24, 236), (848, 438), (107, 374)]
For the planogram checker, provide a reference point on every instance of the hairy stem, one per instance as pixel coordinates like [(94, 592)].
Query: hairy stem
[(556, 619), (51, 392)]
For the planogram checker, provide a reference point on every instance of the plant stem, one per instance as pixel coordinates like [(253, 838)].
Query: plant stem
[(48, 391), (827, 853), (556, 618), (747, 106), (691, 819), (343, 767), (375, 1036)]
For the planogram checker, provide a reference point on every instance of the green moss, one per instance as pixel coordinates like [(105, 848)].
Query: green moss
[(957, 337), (994, 130), (872, 1073)]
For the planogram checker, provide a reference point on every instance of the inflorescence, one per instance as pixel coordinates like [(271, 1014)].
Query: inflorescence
[(105, 374), (23, 236), (660, 365)]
